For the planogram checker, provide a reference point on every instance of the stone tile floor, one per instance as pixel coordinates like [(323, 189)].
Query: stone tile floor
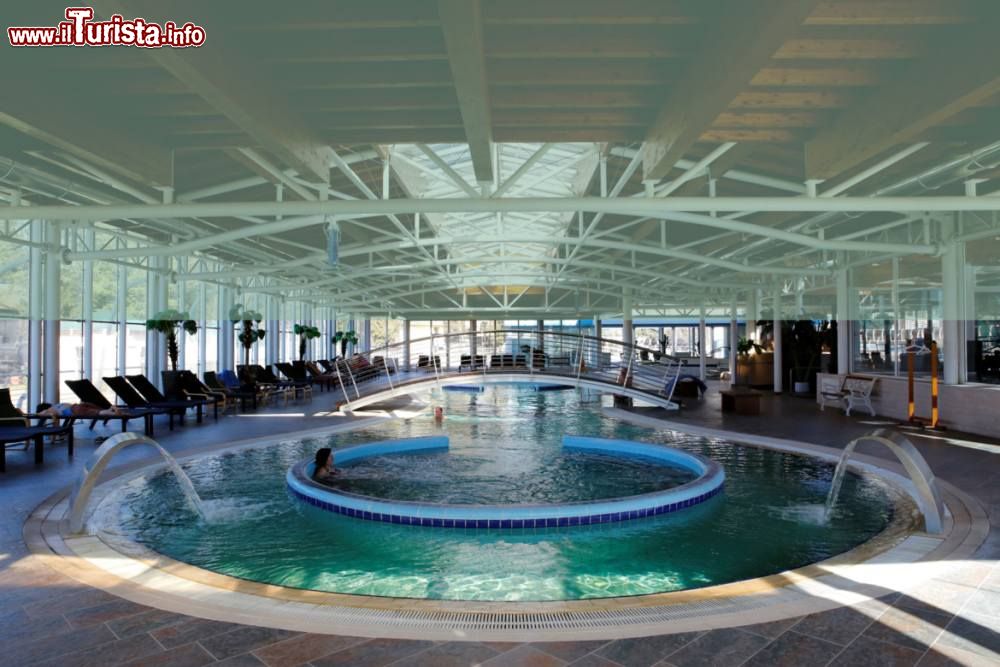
[(49, 619)]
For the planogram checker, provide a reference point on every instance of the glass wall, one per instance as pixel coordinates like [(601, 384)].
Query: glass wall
[(14, 317), (897, 319)]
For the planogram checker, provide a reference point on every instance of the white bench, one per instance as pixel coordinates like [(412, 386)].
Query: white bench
[(852, 391)]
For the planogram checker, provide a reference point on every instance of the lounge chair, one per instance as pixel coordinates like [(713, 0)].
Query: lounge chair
[(213, 382), (508, 361), (297, 373), (134, 400), (297, 389), (466, 362), (249, 377), (155, 397), (361, 368), (424, 362), (329, 379), (88, 393), (15, 427), (261, 392), (185, 385), (380, 363)]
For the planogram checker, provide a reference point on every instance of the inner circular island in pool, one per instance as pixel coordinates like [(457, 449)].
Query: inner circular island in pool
[(709, 478)]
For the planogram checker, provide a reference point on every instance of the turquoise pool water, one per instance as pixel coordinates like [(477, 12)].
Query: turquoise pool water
[(471, 474), (506, 447)]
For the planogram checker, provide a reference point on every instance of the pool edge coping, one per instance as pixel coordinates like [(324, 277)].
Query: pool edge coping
[(45, 536)]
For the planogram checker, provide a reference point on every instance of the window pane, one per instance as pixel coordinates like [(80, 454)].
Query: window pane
[(105, 356)]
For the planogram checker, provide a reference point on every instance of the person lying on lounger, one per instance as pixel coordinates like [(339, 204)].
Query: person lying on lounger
[(85, 410)]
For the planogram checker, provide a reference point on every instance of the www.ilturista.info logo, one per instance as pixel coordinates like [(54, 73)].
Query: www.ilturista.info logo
[(79, 29)]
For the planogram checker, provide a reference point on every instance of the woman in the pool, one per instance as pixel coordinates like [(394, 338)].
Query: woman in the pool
[(324, 465)]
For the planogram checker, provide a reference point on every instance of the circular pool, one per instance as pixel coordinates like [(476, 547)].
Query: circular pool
[(506, 444), (665, 463)]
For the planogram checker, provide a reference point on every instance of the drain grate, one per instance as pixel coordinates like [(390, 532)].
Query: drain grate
[(581, 621)]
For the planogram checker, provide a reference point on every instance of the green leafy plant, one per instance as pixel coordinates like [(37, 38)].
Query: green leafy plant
[(305, 333), (744, 345), (248, 322), (345, 337), (167, 322)]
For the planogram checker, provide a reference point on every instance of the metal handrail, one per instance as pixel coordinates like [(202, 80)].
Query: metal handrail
[(340, 380), (572, 355)]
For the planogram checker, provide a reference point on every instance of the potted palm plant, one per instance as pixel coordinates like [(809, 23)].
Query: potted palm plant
[(806, 343), (248, 323), (344, 338), (167, 322), (305, 334)]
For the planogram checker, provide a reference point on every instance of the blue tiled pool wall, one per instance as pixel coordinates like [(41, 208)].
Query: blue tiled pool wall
[(381, 448), (708, 485), (631, 448), (478, 388), (497, 523)]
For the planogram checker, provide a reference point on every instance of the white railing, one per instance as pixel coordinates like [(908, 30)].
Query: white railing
[(534, 353)]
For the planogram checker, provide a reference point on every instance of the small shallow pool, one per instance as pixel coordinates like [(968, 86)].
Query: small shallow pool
[(505, 447)]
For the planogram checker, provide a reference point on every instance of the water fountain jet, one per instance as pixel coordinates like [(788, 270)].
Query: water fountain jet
[(95, 466), (927, 496)]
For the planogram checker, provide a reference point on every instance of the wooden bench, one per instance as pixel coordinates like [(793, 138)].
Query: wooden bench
[(741, 401), (853, 390)]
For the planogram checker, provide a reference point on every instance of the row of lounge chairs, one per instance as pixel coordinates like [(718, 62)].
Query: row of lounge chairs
[(504, 361), (16, 427), (182, 391)]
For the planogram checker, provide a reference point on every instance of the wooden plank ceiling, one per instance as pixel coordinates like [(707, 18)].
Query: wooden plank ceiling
[(355, 72)]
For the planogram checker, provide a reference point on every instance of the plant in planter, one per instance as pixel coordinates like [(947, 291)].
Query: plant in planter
[(344, 338), (167, 322), (305, 334), (806, 344), (248, 322), (743, 348)]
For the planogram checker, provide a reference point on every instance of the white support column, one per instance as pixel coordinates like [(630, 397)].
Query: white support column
[(366, 335), (968, 325), (406, 344), (598, 333), (225, 338), (122, 310), (182, 306), (53, 288), (734, 337), (331, 329), (897, 316), (270, 331), (702, 343), (447, 345), (153, 353), (627, 331), (202, 317), (953, 294), (753, 299), (779, 385), (843, 322), (472, 343), (279, 340), (36, 315), (87, 296), (540, 327)]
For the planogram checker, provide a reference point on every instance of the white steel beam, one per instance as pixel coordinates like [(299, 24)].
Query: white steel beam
[(637, 207), (453, 176), (462, 24)]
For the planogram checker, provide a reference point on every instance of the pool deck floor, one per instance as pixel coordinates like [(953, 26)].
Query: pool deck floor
[(47, 618)]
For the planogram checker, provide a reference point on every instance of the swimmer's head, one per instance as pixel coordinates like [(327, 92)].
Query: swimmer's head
[(324, 456)]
